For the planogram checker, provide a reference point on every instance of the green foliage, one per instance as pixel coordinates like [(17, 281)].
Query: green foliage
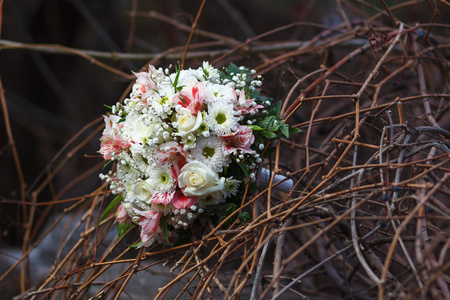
[(245, 76), (229, 208), (253, 188), (272, 125), (122, 228), (108, 162), (136, 245), (225, 211), (244, 168), (163, 223), (177, 77), (111, 206), (244, 216)]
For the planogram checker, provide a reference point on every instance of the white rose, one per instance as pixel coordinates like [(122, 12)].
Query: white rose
[(143, 191), (197, 179), (188, 122)]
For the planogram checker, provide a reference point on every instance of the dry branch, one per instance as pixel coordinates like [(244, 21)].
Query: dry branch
[(368, 214)]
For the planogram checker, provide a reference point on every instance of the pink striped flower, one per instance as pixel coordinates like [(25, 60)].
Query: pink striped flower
[(182, 201), (246, 106), (149, 224), (240, 139), (162, 198), (122, 215), (171, 154), (111, 142), (193, 98)]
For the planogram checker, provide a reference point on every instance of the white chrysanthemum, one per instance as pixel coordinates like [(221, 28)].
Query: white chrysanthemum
[(167, 91), (211, 73), (129, 195), (230, 187), (162, 179), (125, 172), (211, 199), (127, 125), (221, 119), (140, 128), (140, 163), (218, 92), (197, 73), (210, 151), (143, 158)]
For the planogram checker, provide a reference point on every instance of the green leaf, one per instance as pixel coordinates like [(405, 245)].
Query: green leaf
[(122, 228), (111, 206), (294, 130), (285, 130), (244, 169), (229, 208), (107, 163), (276, 109), (107, 106), (163, 223), (255, 127), (135, 245), (270, 135), (232, 68), (267, 122), (175, 82), (244, 216)]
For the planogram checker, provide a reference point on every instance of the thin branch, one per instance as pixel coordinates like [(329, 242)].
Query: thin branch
[(194, 26)]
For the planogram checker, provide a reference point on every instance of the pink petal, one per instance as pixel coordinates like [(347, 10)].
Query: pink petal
[(241, 139), (181, 201), (122, 215), (162, 198), (149, 223), (193, 98)]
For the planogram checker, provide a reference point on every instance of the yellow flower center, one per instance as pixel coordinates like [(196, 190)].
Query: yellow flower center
[(185, 120), (221, 118), (196, 180), (208, 152)]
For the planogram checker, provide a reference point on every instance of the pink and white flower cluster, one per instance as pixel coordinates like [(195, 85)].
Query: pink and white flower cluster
[(171, 141)]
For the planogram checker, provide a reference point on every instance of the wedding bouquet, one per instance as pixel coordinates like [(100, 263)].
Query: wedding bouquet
[(184, 144)]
